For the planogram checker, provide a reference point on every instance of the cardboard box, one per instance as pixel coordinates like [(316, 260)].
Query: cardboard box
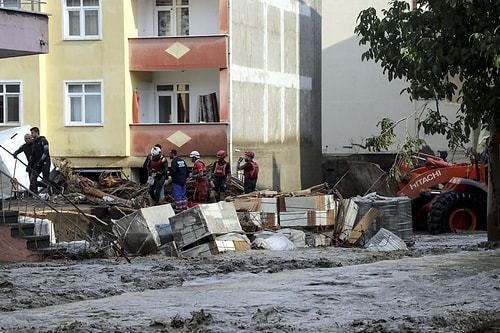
[(269, 220), (225, 243), (214, 248), (319, 239), (270, 205), (307, 218), (317, 202), (259, 219), (203, 220), (247, 204)]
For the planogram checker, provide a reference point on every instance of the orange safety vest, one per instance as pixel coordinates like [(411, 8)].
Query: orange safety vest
[(157, 166), (199, 168), (220, 170), (254, 173)]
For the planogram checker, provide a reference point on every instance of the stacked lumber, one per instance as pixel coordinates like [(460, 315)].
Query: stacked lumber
[(326, 219)]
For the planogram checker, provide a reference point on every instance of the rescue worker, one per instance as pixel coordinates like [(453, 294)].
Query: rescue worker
[(200, 175), (220, 174), (250, 171), (157, 167), (40, 159), (145, 165), (26, 148), (179, 173)]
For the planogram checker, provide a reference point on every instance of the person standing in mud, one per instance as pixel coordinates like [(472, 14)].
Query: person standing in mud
[(250, 171), (220, 173), (157, 166), (40, 159), (146, 168), (179, 173), (199, 174)]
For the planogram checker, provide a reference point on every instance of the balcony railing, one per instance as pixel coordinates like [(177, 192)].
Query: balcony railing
[(207, 138), (178, 53), (25, 29)]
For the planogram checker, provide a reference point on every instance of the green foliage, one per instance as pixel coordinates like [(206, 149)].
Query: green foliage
[(386, 137), (425, 46)]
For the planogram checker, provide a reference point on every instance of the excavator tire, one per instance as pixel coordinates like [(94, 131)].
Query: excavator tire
[(456, 211), (420, 213)]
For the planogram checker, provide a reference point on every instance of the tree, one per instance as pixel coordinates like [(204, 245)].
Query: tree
[(429, 45)]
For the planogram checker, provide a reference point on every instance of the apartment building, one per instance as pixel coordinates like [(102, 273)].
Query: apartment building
[(201, 75)]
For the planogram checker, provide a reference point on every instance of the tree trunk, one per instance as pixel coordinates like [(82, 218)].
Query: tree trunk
[(493, 213)]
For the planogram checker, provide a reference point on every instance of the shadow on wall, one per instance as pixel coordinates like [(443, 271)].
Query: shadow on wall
[(276, 175)]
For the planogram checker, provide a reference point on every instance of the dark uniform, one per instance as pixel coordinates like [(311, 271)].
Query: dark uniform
[(40, 160)]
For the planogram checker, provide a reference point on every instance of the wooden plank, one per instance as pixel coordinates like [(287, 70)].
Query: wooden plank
[(350, 212), (363, 225)]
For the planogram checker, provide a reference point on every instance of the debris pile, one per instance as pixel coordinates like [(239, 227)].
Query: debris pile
[(111, 190), (316, 216)]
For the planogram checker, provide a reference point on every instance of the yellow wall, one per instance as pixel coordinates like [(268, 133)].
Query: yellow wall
[(105, 60), (27, 71)]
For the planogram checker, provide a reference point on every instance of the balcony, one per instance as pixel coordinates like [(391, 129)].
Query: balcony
[(178, 53), (207, 138), (24, 30)]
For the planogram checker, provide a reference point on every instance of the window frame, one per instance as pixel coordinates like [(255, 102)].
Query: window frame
[(175, 94), (67, 102), (173, 12), (19, 95), (10, 4), (82, 9)]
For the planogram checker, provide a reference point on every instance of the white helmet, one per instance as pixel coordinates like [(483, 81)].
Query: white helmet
[(155, 151), (194, 153)]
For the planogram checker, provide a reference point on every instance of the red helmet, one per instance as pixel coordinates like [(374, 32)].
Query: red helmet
[(221, 154), (250, 154)]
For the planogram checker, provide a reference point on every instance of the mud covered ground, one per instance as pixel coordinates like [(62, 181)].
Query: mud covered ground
[(446, 283)]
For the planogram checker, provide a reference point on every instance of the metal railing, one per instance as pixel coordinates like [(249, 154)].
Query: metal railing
[(26, 5)]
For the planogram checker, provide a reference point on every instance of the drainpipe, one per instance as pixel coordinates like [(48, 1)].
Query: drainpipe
[(230, 85)]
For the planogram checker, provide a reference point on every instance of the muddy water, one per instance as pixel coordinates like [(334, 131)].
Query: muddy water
[(449, 283)]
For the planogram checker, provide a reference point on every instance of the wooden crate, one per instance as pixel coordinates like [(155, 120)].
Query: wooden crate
[(309, 203), (215, 247), (316, 239), (203, 220), (307, 218)]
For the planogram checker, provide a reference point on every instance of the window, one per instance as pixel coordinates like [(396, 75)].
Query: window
[(84, 103), (172, 103), (10, 3), (10, 102), (172, 17), (82, 19)]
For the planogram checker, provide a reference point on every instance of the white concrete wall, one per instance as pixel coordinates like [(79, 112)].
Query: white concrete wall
[(275, 59), (356, 95), (203, 17)]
